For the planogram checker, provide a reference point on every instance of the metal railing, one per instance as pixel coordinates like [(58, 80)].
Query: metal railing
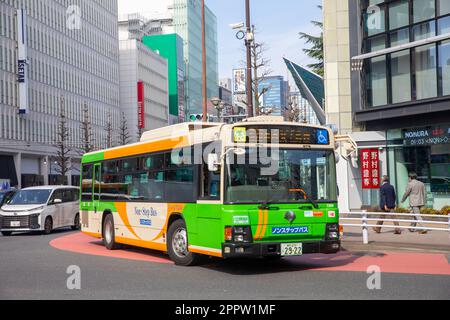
[(367, 218)]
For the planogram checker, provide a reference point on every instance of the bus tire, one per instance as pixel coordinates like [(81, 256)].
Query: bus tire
[(48, 225), (76, 223), (177, 245), (6, 233), (109, 236)]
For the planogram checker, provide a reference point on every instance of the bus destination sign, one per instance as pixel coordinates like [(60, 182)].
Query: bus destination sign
[(281, 135)]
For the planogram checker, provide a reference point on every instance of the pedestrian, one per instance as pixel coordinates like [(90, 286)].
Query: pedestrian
[(415, 190), (387, 204)]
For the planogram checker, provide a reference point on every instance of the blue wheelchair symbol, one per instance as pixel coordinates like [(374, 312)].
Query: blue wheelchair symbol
[(322, 137)]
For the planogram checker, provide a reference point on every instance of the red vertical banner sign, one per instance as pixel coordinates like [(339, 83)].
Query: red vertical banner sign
[(370, 168), (141, 105)]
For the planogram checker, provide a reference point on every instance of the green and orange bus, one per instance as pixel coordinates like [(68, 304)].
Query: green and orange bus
[(260, 188)]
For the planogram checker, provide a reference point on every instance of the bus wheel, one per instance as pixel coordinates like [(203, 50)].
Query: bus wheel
[(76, 223), (177, 245), (109, 237), (48, 225), (6, 233)]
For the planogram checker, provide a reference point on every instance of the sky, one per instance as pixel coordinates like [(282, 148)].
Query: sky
[(278, 23)]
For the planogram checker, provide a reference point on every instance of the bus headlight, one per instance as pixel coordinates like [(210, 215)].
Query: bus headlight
[(238, 234)]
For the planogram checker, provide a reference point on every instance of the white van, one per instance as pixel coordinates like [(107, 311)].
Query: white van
[(41, 209)]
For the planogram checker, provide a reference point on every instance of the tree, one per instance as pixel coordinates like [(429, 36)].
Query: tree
[(124, 134), (109, 132), (316, 49), (260, 65), (260, 72), (87, 137), (293, 112), (62, 158)]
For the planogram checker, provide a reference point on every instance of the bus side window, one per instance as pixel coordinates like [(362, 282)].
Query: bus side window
[(86, 183), (211, 184)]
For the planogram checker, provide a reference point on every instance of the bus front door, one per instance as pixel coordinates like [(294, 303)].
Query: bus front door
[(96, 188)]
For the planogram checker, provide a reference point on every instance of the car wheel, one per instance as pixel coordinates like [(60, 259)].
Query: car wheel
[(177, 245), (76, 223), (48, 225), (6, 233), (109, 236)]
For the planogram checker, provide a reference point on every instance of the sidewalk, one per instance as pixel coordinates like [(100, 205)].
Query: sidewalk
[(434, 241)]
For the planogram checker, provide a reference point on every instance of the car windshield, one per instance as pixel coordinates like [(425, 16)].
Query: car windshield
[(289, 176), (30, 197)]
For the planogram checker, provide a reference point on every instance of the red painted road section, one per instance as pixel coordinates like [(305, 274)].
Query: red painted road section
[(390, 262), (81, 243)]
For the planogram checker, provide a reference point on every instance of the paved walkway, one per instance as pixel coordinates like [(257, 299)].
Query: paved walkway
[(433, 241)]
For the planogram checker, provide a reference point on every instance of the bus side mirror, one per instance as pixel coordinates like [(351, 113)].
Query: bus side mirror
[(213, 162)]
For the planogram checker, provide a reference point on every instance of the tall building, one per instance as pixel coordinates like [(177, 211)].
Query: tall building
[(48, 51), (183, 17), (170, 46), (144, 96), (387, 78), (276, 96)]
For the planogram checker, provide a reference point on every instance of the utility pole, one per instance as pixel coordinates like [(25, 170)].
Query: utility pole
[(248, 44), (204, 88)]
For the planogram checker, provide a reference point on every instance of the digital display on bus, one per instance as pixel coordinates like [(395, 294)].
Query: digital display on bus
[(281, 135)]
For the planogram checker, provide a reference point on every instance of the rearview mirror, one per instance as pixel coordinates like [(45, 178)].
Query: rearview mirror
[(57, 201), (213, 162)]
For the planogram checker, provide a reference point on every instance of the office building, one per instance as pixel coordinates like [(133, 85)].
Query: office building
[(276, 96), (387, 79), (51, 50), (183, 17), (144, 96)]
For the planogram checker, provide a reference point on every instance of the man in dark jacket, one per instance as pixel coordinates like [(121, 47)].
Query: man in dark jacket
[(387, 203)]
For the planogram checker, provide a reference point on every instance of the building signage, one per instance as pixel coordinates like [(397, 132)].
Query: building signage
[(22, 64), (141, 105), (426, 136), (239, 81), (370, 168)]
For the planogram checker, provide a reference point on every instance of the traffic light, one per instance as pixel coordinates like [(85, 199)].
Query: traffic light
[(196, 117)]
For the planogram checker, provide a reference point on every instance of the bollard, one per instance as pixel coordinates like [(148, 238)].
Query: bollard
[(449, 225), (365, 230)]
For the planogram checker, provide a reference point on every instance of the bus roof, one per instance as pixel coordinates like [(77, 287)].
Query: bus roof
[(178, 136)]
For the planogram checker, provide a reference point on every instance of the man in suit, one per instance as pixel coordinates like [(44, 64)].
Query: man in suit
[(415, 190), (387, 204)]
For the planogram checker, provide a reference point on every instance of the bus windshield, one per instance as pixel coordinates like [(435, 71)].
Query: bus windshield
[(290, 176)]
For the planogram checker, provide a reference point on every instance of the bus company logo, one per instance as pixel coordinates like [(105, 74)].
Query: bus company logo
[(146, 212), (290, 216)]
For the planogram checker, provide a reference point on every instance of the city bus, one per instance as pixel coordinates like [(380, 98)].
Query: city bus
[(262, 188)]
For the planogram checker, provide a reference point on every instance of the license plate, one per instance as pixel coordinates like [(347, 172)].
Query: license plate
[(15, 223), (291, 249)]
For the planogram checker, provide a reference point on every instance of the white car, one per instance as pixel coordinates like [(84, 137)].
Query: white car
[(41, 209)]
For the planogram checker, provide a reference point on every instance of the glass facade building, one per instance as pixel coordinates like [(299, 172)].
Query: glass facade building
[(405, 91), (79, 63), (415, 74), (276, 96)]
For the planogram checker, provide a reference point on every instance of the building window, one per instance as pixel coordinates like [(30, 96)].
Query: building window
[(401, 76), (424, 30), (398, 14), (426, 77), (444, 7), (423, 10), (444, 67), (377, 82), (444, 25)]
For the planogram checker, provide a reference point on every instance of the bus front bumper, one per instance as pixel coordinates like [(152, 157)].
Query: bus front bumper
[(259, 250)]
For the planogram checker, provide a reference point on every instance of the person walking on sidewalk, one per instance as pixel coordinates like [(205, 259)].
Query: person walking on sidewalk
[(415, 190), (387, 204)]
